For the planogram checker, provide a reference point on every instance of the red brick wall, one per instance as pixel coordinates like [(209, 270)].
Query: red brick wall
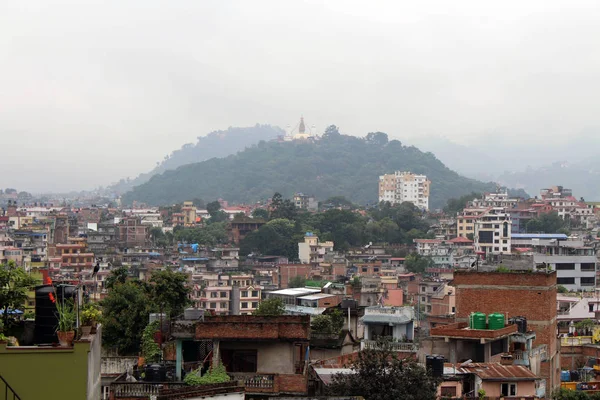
[(291, 384), (532, 295), (288, 271), (252, 327)]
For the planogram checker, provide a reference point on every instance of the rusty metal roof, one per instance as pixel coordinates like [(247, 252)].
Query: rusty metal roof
[(497, 371)]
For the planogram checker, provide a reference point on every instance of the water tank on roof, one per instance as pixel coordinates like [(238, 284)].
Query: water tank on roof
[(46, 320), (193, 314), (477, 320), (521, 323), (435, 365), (496, 321)]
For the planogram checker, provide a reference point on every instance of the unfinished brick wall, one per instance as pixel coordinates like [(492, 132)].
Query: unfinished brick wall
[(288, 271), (531, 295), (251, 327)]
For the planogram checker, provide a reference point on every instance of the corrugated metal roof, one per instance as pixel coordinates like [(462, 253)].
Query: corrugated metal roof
[(497, 371)]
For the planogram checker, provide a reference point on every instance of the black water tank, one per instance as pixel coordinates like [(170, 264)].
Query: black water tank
[(521, 324), (46, 320), (155, 373), (435, 365)]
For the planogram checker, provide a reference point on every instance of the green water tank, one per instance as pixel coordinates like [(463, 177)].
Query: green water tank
[(496, 321), (477, 320)]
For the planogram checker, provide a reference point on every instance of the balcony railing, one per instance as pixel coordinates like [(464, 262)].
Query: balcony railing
[(576, 340), (254, 381), (139, 389), (9, 393), (393, 346)]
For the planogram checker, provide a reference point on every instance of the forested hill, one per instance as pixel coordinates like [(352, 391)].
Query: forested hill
[(215, 144), (336, 165)]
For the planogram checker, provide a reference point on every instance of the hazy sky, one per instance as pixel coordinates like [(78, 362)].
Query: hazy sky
[(92, 91)]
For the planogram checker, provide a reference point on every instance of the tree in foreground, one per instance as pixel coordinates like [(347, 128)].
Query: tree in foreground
[(381, 375), (270, 307), (14, 285)]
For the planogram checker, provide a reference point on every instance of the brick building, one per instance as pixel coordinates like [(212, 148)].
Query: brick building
[(530, 294), (288, 271), (267, 354)]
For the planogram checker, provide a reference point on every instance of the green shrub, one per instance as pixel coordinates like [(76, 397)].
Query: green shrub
[(217, 374)]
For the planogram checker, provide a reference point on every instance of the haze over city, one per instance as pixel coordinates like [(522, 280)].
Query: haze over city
[(95, 92)]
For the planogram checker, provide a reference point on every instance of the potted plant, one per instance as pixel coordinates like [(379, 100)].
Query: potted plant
[(65, 312), (89, 318), (66, 322)]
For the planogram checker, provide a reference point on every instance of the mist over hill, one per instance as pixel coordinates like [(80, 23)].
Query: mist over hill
[(216, 144), (336, 165)]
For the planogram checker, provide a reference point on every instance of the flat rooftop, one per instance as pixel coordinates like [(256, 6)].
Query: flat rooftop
[(295, 291)]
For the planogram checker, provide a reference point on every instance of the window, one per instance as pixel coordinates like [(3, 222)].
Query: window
[(496, 240), (375, 269), (423, 299), (364, 269), (428, 308), (244, 293), (453, 309), (422, 288), (504, 241), (496, 248), (213, 305), (255, 304), (223, 305), (244, 305), (223, 294), (255, 293), (508, 389), (565, 281), (588, 266), (239, 360), (588, 281), (564, 266)]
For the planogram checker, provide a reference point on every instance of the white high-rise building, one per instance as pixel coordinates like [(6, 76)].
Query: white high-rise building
[(405, 186)]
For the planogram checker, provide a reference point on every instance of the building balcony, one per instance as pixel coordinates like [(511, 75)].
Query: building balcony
[(256, 383), (400, 347), (142, 390)]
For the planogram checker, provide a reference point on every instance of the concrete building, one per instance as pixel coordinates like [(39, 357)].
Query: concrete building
[(312, 251), (306, 202), (493, 230), (395, 323), (574, 262), (268, 354), (405, 186), (189, 213), (531, 295)]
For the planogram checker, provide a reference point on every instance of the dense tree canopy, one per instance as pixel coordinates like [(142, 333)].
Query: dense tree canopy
[(346, 228), (14, 285), (380, 375), (211, 234), (270, 307), (126, 308), (456, 205), (336, 165), (547, 223)]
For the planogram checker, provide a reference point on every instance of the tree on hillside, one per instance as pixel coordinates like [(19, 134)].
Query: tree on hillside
[(417, 263), (277, 237), (547, 223), (216, 214), (270, 307), (331, 132), (456, 205), (339, 201), (14, 285), (381, 375), (377, 138), (260, 213), (282, 208), (297, 281)]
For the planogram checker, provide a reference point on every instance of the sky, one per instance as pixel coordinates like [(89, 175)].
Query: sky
[(94, 91)]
